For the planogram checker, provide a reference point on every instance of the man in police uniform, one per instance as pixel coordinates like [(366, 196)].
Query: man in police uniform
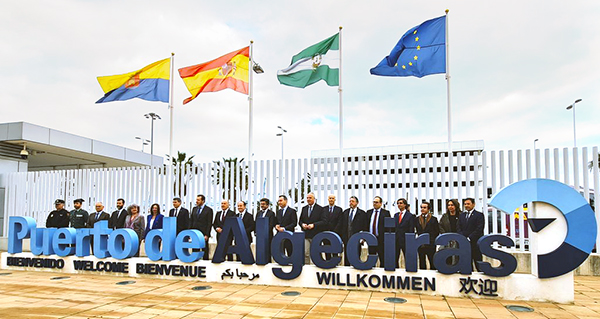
[(79, 217), (59, 217)]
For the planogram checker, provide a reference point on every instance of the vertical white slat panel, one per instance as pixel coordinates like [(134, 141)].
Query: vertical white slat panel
[(419, 180), (556, 161), (468, 190), (404, 194), (308, 176), (275, 182), (287, 182), (485, 209), (566, 173), (261, 187), (359, 189), (366, 199), (389, 182), (380, 180), (397, 186), (242, 178), (576, 169), (411, 194), (319, 184), (596, 179), (476, 177), (585, 175), (459, 175), (293, 181), (426, 175), (547, 166), (441, 207), (443, 188), (493, 174), (302, 188), (521, 211), (451, 176), (343, 197), (511, 219)]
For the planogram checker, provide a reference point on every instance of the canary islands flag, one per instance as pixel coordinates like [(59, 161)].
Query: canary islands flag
[(150, 83), (421, 51)]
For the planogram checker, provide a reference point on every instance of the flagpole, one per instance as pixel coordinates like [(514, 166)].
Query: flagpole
[(341, 119), (171, 108), (250, 100), (450, 155)]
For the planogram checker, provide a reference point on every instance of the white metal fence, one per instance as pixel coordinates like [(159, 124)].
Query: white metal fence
[(416, 177)]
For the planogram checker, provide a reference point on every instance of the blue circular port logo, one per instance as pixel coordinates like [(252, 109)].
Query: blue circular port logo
[(581, 221)]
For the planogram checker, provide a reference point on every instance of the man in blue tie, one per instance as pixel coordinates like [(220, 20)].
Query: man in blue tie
[(311, 222), (286, 220), (354, 220), (470, 225), (96, 217), (377, 217)]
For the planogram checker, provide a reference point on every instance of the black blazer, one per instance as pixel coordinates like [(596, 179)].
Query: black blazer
[(471, 228), (218, 223), (407, 225), (117, 219), (249, 224), (202, 221), (333, 219), (431, 227), (183, 218), (383, 213), (359, 223), (289, 220), (92, 218), (272, 220), (316, 217)]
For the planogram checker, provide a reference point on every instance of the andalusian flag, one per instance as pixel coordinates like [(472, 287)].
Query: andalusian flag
[(227, 72), (150, 83), (317, 62)]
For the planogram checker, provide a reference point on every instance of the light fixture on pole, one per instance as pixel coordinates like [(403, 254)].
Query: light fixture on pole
[(534, 141), (572, 106), (152, 117), (144, 142), (282, 158)]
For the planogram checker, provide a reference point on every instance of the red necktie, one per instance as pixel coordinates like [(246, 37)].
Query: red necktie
[(399, 217)]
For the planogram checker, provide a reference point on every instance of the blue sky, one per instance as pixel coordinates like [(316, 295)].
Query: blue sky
[(515, 66)]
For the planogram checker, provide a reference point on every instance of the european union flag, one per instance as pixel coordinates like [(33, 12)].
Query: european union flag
[(421, 51)]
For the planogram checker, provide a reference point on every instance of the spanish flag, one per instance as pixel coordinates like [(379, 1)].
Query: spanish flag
[(150, 83), (227, 72)]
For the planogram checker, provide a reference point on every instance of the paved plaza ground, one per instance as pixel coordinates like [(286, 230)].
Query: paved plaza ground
[(42, 295)]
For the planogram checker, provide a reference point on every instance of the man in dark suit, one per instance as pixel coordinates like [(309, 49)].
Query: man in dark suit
[(96, 217), (182, 214), (470, 225), (265, 212), (427, 223), (220, 220), (377, 217), (333, 216), (247, 219), (117, 218), (354, 220), (405, 224), (202, 217), (286, 220), (312, 221)]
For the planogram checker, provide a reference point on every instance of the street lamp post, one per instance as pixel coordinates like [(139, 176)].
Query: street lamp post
[(534, 141), (152, 117), (572, 106), (282, 158), (144, 142)]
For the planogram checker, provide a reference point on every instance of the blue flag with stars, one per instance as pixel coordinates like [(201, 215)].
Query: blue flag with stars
[(421, 51)]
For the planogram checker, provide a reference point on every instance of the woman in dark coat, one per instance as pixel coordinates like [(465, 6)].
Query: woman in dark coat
[(449, 224)]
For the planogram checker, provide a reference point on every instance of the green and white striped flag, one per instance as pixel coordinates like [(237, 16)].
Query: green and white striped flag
[(317, 62)]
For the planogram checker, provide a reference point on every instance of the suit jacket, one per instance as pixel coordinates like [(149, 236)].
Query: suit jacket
[(333, 219), (183, 218), (359, 223), (92, 218), (287, 221), (158, 223), (383, 213), (272, 220), (218, 223), (249, 224), (407, 225), (471, 228), (117, 219), (431, 227), (202, 221), (316, 217)]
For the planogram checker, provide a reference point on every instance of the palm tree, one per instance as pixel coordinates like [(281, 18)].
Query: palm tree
[(181, 162), (228, 173), (591, 163), (297, 193)]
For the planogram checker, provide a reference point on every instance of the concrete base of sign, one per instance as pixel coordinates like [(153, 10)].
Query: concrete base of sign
[(429, 282)]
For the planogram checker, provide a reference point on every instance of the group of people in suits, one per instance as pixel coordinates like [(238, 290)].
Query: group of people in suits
[(313, 219)]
